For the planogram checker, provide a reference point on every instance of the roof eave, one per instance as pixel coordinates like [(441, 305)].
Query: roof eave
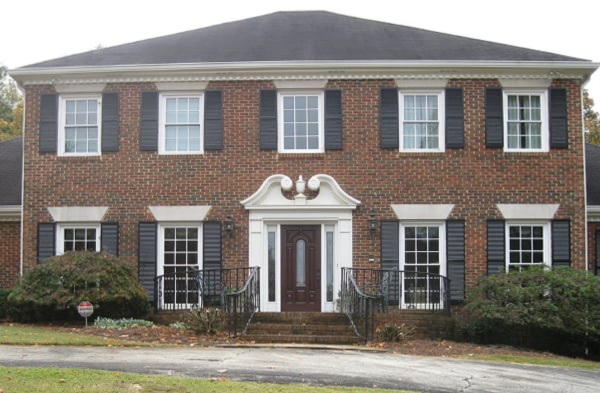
[(580, 69)]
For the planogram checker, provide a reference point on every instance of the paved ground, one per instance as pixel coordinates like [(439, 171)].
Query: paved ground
[(322, 367)]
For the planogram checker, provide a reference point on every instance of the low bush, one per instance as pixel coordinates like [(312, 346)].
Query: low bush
[(4, 302), (556, 310), (178, 325), (53, 289), (122, 323), (208, 320), (391, 332)]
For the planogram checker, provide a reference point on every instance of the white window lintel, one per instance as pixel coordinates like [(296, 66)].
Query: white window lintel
[(300, 84), (525, 83), (78, 213), (180, 213), (422, 212), (525, 211), (421, 83)]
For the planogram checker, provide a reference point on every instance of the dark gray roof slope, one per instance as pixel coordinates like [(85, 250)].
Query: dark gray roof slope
[(11, 164), (302, 36), (592, 174)]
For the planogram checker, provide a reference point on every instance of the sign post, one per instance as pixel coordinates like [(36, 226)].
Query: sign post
[(85, 309)]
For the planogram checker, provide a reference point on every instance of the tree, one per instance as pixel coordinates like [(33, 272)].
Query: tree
[(11, 107), (591, 120)]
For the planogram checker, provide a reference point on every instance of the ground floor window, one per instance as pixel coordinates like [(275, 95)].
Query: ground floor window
[(81, 237), (528, 245), (423, 260), (179, 257)]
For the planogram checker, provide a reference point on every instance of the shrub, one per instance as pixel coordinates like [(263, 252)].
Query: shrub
[(53, 289), (122, 323), (544, 309), (208, 320), (391, 332), (4, 302), (178, 325)]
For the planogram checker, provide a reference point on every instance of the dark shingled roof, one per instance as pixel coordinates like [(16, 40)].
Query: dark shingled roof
[(592, 174), (302, 36), (11, 164)]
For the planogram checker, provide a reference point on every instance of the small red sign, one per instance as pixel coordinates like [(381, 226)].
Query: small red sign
[(85, 309)]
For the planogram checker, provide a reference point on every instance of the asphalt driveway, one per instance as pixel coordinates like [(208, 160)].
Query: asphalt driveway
[(310, 366)]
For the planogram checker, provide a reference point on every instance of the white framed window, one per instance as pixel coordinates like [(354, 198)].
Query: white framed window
[(423, 260), (527, 244), (181, 128), (301, 126), (77, 237), (422, 121), (79, 124), (526, 120), (179, 253)]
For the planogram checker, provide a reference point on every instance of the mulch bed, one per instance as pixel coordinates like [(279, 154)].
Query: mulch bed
[(159, 334)]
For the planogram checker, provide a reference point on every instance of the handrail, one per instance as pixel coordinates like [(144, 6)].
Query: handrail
[(366, 291), (241, 305), (358, 306)]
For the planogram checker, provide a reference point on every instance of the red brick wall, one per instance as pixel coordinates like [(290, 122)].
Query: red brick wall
[(10, 237), (475, 178)]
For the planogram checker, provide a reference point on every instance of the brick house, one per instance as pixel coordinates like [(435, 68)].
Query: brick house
[(304, 143)]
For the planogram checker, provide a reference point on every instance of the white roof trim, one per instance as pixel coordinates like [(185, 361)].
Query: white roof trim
[(305, 70), (179, 213), (422, 212), (78, 213), (10, 212), (593, 213), (525, 211), (331, 196)]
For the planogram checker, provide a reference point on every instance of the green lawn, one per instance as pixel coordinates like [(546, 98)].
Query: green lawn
[(52, 380), (33, 335)]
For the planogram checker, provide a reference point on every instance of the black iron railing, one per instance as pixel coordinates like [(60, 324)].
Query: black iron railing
[(242, 304), (235, 290), (367, 291), (358, 305)]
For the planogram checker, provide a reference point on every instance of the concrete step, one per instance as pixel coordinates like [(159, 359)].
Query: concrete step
[(302, 339)]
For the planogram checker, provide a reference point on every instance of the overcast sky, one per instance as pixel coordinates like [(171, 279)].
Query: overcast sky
[(35, 30)]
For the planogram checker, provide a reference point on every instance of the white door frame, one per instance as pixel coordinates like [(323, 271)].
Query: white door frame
[(269, 209)]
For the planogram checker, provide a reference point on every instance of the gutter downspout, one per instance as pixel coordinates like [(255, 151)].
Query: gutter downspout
[(22, 186), (587, 257)]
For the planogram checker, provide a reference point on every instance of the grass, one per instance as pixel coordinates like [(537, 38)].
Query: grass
[(538, 360), (52, 380), (31, 335)]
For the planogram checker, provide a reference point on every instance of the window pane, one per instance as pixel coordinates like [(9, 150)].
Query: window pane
[(271, 266), (300, 263), (300, 102), (288, 102)]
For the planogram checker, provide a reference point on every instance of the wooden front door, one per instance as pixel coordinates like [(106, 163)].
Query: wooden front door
[(301, 268)]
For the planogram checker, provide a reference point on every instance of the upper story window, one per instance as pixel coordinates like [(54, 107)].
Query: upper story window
[(79, 125), (421, 121), (80, 237), (181, 128), (301, 124), (528, 245), (526, 124)]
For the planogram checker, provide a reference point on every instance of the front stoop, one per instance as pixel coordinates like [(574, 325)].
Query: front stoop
[(301, 328)]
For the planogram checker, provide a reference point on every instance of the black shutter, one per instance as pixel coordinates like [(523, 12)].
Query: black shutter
[(268, 120), (494, 118), (46, 240), (147, 242), (109, 239), (149, 121), (334, 137), (598, 252), (110, 122), (213, 120), (496, 251), (48, 123), (559, 134), (390, 257), (212, 245), (455, 118), (389, 136), (390, 247), (561, 243), (455, 245)]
